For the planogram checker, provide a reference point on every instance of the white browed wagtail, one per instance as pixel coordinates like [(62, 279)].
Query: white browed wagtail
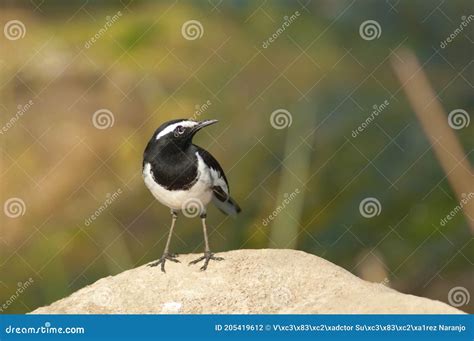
[(179, 173)]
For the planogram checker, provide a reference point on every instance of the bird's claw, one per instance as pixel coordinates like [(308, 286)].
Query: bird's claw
[(207, 257), (163, 259)]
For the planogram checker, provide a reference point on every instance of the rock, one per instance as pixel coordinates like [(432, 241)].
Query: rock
[(248, 281)]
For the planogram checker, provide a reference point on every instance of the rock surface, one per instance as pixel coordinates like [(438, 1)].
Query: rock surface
[(248, 281)]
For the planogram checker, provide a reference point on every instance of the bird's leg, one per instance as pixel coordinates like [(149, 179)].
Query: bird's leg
[(208, 255), (166, 254)]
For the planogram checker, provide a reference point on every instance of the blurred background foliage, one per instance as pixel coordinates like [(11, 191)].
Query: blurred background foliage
[(145, 72)]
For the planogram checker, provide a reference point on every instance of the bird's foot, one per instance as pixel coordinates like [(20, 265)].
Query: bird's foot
[(163, 259), (208, 255)]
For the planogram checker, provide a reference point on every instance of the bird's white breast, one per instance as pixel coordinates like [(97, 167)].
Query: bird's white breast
[(201, 190)]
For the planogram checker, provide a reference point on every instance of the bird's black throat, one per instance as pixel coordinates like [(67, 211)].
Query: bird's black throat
[(175, 167)]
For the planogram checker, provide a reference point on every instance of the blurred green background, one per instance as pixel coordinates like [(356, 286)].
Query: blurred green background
[(144, 71)]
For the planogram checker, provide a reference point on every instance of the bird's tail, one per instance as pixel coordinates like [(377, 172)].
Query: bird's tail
[(229, 207)]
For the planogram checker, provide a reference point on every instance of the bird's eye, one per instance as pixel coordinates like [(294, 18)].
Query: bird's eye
[(180, 130)]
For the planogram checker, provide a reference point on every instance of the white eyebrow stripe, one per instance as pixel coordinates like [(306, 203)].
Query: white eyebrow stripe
[(173, 126)]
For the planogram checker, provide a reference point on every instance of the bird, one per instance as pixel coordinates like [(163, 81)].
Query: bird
[(185, 177)]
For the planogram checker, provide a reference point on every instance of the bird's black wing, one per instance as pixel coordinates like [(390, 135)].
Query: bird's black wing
[(220, 184)]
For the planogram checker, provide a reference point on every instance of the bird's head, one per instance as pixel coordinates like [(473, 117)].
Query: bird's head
[(178, 133)]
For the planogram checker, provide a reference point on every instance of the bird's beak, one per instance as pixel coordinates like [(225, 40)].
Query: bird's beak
[(203, 124)]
